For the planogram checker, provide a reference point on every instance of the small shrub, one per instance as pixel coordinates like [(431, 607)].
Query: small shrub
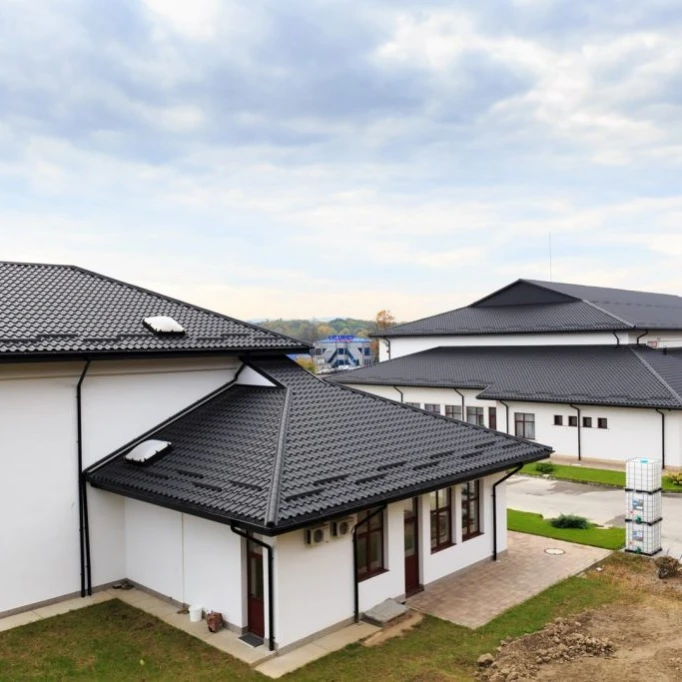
[(675, 478), (570, 521), (546, 468)]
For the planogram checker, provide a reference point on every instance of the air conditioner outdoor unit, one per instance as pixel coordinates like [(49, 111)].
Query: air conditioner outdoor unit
[(316, 535), (342, 527)]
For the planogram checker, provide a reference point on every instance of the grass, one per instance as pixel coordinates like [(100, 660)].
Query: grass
[(580, 474), (536, 524), (108, 642)]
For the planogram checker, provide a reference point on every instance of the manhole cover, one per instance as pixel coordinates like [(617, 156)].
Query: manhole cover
[(554, 550)]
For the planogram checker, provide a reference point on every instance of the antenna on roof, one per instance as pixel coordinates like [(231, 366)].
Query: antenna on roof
[(550, 257)]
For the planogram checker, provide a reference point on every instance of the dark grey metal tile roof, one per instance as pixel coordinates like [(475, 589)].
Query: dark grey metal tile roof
[(55, 310), (274, 458), (600, 375), (528, 306)]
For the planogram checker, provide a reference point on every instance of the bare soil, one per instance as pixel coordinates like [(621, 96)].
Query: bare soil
[(635, 639)]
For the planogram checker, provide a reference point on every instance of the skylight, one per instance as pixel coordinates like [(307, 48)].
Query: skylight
[(162, 324), (147, 450)]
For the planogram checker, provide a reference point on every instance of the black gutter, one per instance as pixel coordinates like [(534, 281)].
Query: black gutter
[(271, 580), (456, 390), (644, 333), (662, 437), (83, 524), (356, 582), (580, 449), (504, 478), (402, 395), (506, 409)]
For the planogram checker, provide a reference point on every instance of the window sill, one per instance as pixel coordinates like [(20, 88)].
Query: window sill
[(440, 548), (373, 574), (471, 537)]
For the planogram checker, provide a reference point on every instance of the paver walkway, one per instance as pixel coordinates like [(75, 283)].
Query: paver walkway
[(475, 596)]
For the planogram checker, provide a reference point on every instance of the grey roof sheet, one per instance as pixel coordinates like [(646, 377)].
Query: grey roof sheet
[(587, 309), (601, 375), (64, 310), (303, 450)]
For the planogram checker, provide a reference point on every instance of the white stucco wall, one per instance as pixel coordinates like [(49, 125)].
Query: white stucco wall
[(186, 558), (631, 432), (38, 453), (315, 584), (407, 345)]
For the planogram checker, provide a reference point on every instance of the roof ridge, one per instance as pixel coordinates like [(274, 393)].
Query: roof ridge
[(606, 312), (656, 374), (272, 509)]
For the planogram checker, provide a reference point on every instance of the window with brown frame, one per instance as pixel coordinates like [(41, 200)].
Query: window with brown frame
[(524, 425), (453, 411), (587, 422), (572, 420), (441, 519), (370, 545), (602, 423), (558, 420), (475, 416), (471, 509), (492, 418), (432, 407)]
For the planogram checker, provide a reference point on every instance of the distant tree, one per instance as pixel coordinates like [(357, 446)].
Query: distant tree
[(361, 332), (384, 320), (306, 362), (325, 330)]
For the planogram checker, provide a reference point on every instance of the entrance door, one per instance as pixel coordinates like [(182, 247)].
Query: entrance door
[(255, 601), (411, 520)]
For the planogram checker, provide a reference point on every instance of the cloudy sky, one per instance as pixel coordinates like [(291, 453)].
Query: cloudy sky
[(323, 157)]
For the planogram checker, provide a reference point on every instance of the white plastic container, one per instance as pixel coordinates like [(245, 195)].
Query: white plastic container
[(195, 613), (643, 538), (643, 507), (643, 474)]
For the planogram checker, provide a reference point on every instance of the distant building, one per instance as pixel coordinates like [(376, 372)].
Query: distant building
[(342, 352)]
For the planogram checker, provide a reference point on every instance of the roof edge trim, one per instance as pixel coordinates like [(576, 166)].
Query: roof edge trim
[(272, 509)]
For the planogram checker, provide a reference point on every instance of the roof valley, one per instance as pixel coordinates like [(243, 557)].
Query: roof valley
[(657, 375)]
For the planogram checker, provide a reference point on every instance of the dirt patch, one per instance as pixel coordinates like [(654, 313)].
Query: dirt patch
[(395, 629), (638, 640)]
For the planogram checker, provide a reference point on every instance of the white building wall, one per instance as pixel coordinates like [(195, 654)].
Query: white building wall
[(414, 344), (191, 560), (38, 452)]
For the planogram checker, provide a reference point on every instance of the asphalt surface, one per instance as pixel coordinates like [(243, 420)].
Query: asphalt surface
[(604, 506)]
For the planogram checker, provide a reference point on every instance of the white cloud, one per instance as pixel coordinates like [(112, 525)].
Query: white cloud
[(196, 19)]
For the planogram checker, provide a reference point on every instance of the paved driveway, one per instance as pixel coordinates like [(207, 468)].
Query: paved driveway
[(477, 595), (605, 506)]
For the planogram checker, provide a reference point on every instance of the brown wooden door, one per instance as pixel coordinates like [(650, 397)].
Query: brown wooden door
[(255, 592), (411, 520)]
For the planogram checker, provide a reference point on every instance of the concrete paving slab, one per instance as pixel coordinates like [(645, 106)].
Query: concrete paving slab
[(348, 635), (281, 665), (383, 613), (477, 595), (18, 620)]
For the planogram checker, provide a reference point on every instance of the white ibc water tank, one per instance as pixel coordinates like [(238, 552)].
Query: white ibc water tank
[(644, 506), (643, 474)]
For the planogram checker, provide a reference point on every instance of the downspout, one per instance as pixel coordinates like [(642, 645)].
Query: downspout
[(271, 581), (577, 409), (644, 333), (506, 410), (617, 338), (662, 437), (456, 390), (83, 524), (356, 583), (402, 395), (504, 478), (388, 347)]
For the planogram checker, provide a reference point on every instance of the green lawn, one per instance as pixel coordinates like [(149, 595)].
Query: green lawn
[(114, 641), (536, 524), (580, 474)]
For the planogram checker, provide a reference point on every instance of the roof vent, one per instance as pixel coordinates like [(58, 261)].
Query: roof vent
[(162, 324), (146, 451)]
